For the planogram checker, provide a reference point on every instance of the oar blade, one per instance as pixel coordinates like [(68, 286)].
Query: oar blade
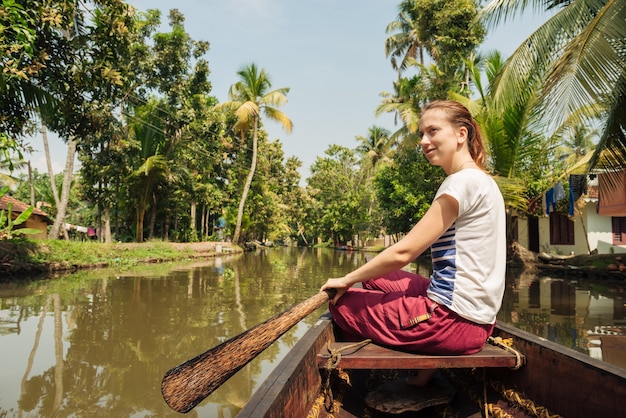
[(186, 385)]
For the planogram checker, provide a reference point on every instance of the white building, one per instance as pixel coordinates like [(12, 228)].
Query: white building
[(595, 223)]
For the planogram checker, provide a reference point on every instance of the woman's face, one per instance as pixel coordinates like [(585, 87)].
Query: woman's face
[(440, 139)]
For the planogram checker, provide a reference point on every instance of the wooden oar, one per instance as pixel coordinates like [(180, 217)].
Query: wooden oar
[(186, 385)]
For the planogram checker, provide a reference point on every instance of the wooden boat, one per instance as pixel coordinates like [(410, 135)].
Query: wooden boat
[(549, 380)]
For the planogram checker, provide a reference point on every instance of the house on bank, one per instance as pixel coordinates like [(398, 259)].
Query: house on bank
[(587, 216), (37, 220)]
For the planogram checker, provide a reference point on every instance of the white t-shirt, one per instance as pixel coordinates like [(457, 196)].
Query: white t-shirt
[(469, 260)]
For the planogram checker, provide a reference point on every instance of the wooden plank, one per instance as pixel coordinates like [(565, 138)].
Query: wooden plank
[(372, 356)]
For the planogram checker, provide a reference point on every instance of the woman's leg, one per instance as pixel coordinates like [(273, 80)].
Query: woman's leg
[(400, 281), (413, 323)]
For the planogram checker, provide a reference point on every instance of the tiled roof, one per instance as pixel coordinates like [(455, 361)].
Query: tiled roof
[(19, 207)]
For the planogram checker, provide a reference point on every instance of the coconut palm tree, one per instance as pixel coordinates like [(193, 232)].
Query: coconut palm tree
[(157, 164), (376, 146), (405, 102), (577, 143), (405, 40), (517, 146), (248, 98), (579, 55)]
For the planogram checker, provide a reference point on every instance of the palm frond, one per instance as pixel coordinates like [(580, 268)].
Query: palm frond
[(278, 116), (512, 190)]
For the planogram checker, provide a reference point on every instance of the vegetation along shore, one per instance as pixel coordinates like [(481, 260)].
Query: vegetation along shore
[(27, 257)]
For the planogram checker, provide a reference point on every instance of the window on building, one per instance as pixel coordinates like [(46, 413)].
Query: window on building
[(561, 229), (619, 230)]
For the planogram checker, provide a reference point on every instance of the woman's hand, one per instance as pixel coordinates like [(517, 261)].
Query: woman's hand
[(339, 284)]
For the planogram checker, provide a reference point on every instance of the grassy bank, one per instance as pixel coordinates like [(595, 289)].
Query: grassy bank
[(23, 256)]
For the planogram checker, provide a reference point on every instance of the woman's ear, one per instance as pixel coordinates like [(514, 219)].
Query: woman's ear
[(462, 135)]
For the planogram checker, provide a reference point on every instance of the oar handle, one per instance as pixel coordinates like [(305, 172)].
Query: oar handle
[(187, 384)]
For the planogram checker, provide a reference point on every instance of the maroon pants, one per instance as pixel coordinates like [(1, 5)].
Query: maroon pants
[(394, 311)]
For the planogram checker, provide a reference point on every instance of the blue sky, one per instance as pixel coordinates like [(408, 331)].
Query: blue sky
[(330, 53)]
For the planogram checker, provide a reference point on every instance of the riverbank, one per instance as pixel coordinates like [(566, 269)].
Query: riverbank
[(26, 257), (597, 266)]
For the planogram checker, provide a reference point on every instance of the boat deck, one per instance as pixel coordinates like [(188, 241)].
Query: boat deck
[(371, 356)]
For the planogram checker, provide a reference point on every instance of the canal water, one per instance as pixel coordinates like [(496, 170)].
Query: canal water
[(98, 342)]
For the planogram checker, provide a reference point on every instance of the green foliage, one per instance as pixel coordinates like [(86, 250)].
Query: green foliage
[(405, 189), (578, 57), (173, 147), (519, 152), (91, 253), (339, 197)]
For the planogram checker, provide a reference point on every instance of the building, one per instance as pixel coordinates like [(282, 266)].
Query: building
[(37, 220), (574, 221)]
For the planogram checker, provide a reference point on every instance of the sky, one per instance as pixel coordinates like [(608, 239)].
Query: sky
[(330, 53)]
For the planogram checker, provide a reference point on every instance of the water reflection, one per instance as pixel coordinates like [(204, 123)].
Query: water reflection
[(97, 343), (587, 316)]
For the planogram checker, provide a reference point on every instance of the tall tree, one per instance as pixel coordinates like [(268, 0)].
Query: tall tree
[(250, 97), (518, 147), (446, 32), (72, 55), (164, 113)]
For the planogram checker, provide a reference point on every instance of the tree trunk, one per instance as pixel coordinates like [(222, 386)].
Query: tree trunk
[(192, 220), (107, 225), (116, 211), (246, 186), (142, 204), (153, 213), (175, 226), (53, 186), (166, 227), (139, 233), (65, 190), (202, 223), (99, 221), (46, 147), (32, 186), (208, 227)]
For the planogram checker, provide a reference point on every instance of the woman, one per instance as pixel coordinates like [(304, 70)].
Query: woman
[(454, 311)]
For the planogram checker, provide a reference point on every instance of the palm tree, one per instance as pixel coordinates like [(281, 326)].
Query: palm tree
[(376, 146), (157, 162), (405, 102), (518, 151), (248, 98), (577, 143), (579, 54), (405, 40)]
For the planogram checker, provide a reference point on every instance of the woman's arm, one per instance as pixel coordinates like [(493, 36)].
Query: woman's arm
[(439, 217)]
